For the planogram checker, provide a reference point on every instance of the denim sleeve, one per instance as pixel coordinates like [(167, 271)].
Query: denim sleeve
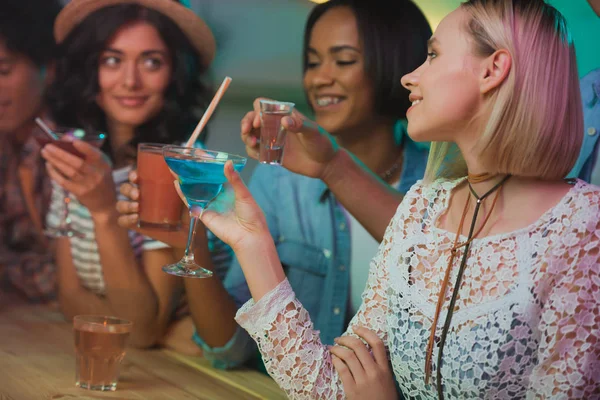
[(588, 167), (241, 348), (590, 96)]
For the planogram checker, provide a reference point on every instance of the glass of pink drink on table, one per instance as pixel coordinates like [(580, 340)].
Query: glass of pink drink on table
[(272, 134), (99, 349), (159, 205), (64, 140)]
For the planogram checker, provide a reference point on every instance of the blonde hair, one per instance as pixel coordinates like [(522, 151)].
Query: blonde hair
[(535, 120)]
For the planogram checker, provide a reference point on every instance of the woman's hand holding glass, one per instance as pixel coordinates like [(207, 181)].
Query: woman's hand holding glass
[(243, 227), (89, 179), (309, 150), (241, 224), (233, 216), (129, 217), (128, 209)]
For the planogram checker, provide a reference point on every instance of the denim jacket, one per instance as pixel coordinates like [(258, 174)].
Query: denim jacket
[(312, 237), (588, 156)]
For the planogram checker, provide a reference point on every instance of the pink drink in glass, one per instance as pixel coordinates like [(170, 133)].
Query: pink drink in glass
[(99, 349), (64, 145), (159, 205), (68, 146)]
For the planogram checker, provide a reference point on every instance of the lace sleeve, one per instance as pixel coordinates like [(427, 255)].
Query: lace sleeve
[(569, 350), (292, 350)]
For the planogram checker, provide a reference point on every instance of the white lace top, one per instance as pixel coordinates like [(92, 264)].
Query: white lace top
[(526, 322)]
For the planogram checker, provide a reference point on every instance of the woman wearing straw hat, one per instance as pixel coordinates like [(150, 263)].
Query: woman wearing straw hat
[(130, 68)]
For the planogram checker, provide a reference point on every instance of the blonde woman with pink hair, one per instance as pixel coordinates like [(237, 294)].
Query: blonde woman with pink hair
[(487, 282)]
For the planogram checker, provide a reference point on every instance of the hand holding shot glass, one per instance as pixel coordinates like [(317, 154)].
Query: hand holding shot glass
[(272, 133)]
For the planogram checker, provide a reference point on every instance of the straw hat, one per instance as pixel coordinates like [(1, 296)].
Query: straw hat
[(193, 27)]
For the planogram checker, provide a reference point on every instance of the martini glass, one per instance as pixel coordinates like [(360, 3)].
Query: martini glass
[(63, 139), (201, 178)]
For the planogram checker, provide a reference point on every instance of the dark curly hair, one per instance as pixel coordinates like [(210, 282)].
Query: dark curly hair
[(26, 28), (394, 35), (72, 96)]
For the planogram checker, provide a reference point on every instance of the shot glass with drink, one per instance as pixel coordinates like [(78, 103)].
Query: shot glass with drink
[(272, 134), (100, 344)]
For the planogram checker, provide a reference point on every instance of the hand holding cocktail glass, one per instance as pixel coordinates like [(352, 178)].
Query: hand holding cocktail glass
[(308, 148), (76, 164), (201, 178), (242, 225)]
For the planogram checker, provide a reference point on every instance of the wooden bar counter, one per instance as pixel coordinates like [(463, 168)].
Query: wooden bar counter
[(37, 362)]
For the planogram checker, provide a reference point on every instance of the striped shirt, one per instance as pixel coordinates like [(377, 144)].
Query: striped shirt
[(84, 251)]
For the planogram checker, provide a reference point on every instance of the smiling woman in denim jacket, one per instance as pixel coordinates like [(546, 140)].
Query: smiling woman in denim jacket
[(354, 56)]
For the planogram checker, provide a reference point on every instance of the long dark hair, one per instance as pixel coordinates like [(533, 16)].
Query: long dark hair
[(394, 36), (72, 96)]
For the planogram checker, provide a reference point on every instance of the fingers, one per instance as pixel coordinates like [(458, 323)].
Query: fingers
[(128, 207), (298, 123), (359, 348), (344, 374), (217, 223), (256, 106), (377, 345), (63, 162), (242, 194), (253, 152), (247, 124), (133, 177), (249, 134), (91, 153), (129, 191), (126, 219), (352, 362), (60, 179)]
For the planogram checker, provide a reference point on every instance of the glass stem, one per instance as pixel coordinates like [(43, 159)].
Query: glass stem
[(188, 257)]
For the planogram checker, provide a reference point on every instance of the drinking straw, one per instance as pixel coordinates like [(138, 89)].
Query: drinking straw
[(46, 129), (208, 112)]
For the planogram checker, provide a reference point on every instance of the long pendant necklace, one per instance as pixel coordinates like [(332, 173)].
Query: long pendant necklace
[(479, 200)]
